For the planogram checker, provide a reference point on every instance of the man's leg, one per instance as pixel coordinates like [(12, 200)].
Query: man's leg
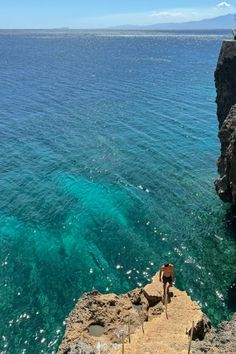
[(164, 292), (168, 285)]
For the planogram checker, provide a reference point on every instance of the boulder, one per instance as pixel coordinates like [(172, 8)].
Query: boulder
[(153, 291)]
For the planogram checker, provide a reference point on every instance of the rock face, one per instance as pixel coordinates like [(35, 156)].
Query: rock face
[(98, 322), (225, 79), (226, 184), (222, 342), (99, 318)]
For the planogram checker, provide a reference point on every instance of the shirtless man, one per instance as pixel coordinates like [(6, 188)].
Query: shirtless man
[(166, 275)]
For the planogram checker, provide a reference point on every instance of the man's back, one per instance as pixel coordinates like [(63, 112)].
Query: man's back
[(167, 270)]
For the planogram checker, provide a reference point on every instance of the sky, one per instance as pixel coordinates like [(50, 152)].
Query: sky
[(105, 13)]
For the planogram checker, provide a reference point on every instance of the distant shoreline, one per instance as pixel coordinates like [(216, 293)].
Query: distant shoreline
[(112, 30), (225, 22)]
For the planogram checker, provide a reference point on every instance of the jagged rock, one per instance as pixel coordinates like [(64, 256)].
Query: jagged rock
[(155, 310), (168, 334), (138, 299), (80, 348), (221, 342), (225, 79), (153, 291), (226, 183), (201, 328), (112, 313)]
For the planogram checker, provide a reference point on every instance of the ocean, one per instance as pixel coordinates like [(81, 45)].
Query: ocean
[(108, 159)]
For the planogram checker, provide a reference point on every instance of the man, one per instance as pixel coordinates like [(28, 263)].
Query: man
[(166, 275)]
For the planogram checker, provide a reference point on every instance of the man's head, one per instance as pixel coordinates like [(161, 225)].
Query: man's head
[(166, 264)]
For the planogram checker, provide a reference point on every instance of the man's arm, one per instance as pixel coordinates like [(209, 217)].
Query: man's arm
[(160, 274), (173, 273)]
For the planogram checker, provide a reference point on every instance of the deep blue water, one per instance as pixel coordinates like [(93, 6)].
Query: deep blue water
[(108, 148)]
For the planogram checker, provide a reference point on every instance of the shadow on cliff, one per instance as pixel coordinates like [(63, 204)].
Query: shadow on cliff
[(232, 297), (230, 219), (231, 225)]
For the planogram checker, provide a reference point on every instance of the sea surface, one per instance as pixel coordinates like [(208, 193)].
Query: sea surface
[(108, 148)]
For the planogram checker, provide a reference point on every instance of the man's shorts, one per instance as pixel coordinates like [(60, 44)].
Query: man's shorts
[(167, 280)]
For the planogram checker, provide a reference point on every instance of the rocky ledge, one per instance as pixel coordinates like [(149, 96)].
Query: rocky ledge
[(221, 342), (98, 322), (225, 79)]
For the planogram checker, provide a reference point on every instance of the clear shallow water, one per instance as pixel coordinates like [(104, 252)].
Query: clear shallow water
[(108, 147)]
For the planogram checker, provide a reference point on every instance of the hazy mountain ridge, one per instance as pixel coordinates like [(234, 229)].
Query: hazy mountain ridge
[(221, 22)]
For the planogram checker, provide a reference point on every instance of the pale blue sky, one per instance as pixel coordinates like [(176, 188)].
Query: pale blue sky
[(104, 13)]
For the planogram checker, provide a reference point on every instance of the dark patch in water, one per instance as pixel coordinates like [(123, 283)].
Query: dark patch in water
[(232, 296), (96, 261)]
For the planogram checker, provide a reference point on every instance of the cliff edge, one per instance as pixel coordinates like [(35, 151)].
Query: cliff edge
[(225, 80), (98, 322)]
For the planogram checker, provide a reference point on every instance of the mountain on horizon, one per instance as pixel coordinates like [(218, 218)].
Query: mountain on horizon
[(220, 22)]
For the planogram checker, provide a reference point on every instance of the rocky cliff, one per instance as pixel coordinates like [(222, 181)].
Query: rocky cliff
[(221, 342), (225, 79), (98, 322)]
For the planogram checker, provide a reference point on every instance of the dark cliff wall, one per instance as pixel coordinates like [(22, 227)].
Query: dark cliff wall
[(225, 79)]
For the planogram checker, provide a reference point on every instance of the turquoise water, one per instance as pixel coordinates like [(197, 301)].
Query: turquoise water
[(108, 148)]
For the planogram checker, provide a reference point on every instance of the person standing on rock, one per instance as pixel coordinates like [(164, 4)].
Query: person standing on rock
[(166, 275)]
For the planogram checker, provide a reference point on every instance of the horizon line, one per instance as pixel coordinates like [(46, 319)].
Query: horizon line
[(138, 26), (113, 29)]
